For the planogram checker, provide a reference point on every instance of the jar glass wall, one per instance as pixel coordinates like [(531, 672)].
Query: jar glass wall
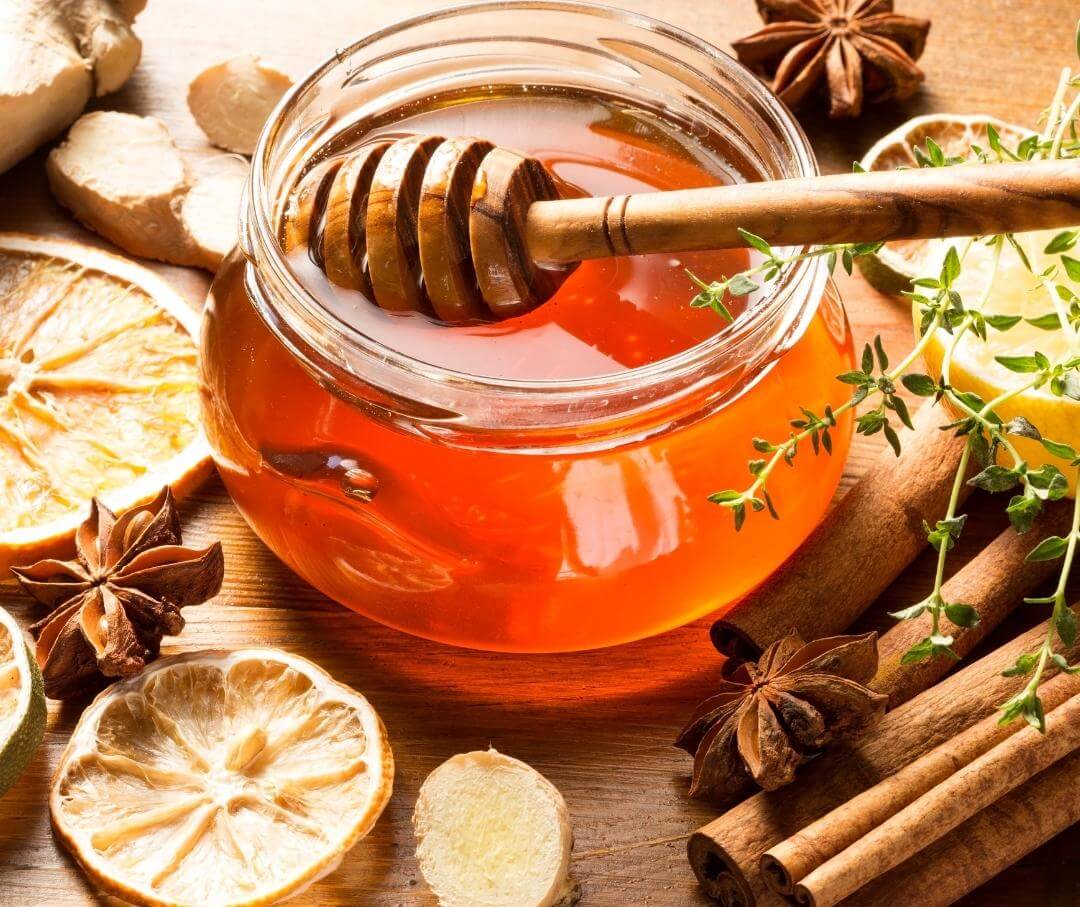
[(524, 508)]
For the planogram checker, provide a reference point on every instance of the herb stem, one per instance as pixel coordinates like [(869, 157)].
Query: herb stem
[(936, 601), (1060, 602), (796, 438), (1054, 111), (1059, 134)]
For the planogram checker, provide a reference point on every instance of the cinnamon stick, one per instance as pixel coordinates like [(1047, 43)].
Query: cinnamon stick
[(985, 780), (797, 857), (873, 533), (994, 583), (725, 853), (986, 844)]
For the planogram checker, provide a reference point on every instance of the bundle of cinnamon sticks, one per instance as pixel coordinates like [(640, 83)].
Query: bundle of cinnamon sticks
[(938, 797)]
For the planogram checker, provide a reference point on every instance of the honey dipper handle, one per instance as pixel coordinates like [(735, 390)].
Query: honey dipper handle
[(855, 207)]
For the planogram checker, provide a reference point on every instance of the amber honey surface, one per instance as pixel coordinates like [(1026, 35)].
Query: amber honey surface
[(524, 549)]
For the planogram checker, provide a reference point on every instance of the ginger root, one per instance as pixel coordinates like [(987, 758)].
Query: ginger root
[(492, 830), (123, 176), (54, 56), (211, 209), (232, 101)]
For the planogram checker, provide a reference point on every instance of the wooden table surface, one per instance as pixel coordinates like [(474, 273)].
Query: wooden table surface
[(599, 725)]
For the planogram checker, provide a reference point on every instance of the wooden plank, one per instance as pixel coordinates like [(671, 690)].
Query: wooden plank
[(600, 725)]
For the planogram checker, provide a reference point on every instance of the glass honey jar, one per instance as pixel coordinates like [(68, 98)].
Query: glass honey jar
[(540, 483)]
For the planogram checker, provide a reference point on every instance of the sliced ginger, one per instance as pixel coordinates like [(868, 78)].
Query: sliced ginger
[(210, 210), (492, 830), (123, 176), (232, 100), (223, 778), (54, 56)]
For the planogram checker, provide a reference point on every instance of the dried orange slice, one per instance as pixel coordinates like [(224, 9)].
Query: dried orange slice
[(98, 390), (224, 778)]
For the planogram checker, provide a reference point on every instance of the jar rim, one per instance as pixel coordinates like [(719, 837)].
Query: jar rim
[(258, 227)]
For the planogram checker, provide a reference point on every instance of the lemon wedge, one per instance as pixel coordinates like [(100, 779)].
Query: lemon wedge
[(98, 390), (220, 778), (974, 367)]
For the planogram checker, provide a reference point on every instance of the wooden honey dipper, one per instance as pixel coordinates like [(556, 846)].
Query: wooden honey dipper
[(468, 231)]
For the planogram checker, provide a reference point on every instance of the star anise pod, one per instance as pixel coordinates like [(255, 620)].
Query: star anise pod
[(854, 49), (111, 606), (771, 716)]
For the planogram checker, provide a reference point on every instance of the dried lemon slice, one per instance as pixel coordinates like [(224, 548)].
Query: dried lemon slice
[(220, 778), (892, 269), (1013, 292), (22, 703), (98, 390)]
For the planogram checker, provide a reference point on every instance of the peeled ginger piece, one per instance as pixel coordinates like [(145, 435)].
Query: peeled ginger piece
[(232, 101), (211, 209), (55, 56), (122, 176), (493, 831)]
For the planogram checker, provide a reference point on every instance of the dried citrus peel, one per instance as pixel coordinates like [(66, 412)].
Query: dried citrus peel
[(492, 830), (231, 778), (98, 390)]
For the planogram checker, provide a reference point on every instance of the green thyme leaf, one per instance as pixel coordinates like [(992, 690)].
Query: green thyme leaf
[(995, 479), (1063, 242), (1066, 625), (1049, 549), (1059, 660), (1020, 364), (962, 615), (1022, 427), (1048, 322), (910, 613), (1058, 449), (1002, 322), (1022, 511), (756, 242), (1024, 665), (920, 385), (921, 651)]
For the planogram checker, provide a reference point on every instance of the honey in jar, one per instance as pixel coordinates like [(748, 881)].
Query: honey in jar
[(539, 483)]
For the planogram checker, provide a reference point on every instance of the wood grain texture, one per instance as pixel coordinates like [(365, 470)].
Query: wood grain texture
[(443, 229), (344, 233), (393, 204), (837, 207), (510, 280), (600, 725)]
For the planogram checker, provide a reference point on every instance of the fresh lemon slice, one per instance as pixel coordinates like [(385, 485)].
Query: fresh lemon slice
[(974, 367), (98, 390), (220, 778), (891, 270), (1015, 291), (22, 703)]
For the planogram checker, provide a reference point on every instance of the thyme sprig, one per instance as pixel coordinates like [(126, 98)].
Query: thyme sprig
[(989, 439)]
